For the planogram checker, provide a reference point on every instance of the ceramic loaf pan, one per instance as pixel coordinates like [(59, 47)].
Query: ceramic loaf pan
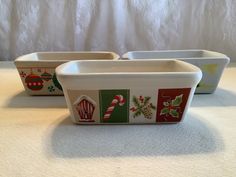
[(37, 70), (211, 63), (141, 91)]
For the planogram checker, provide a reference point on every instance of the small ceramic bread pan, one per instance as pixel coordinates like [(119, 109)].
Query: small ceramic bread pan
[(37, 70), (128, 92), (211, 63)]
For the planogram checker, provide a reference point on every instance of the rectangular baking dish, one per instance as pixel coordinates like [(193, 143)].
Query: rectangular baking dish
[(37, 70), (128, 92), (211, 63)]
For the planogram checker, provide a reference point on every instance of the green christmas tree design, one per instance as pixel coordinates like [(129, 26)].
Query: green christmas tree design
[(172, 107), (143, 106)]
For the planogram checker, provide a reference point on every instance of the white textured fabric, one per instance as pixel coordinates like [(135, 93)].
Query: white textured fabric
[(117, 25)]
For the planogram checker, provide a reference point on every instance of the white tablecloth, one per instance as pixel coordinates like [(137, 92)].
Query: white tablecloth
[(38, 139)]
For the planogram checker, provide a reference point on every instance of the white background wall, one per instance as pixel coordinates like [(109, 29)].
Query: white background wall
[(117, 25)]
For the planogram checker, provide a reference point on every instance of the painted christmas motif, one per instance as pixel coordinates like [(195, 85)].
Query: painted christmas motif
[(172, 107), (34, 82), (118, 100), (85, 107), (114, 106), (51, 88), (142, 106), (171, 104), (40, 80), (55, 82), (91, 95), (46, 76), (22, 74)]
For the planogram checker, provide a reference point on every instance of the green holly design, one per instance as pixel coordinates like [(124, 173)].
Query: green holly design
[(172, 107), (55, 82), (143, 106), (51, 89)]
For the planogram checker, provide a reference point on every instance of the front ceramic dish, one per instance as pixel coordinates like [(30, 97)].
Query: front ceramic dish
[(211, 63), (123, 92), (37, 70)]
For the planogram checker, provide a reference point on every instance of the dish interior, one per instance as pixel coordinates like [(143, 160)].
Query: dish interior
[(66, 56), (140, 66), (172, 54)]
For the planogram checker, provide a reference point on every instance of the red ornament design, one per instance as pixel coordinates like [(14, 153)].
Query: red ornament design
[(171, 104), (85, 107), (46, 76), (34, 82)]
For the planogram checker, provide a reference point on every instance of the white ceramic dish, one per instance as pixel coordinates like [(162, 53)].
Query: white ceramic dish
[(37, 70), (123, 92), (211, 63)]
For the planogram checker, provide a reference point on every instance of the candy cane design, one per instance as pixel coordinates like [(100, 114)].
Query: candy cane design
[(117, 99)]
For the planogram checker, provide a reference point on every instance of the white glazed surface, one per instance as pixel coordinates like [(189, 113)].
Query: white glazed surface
[(211, 63), (139, 78), (45, 62)]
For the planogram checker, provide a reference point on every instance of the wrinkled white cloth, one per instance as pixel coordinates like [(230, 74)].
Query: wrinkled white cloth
[(116, 25)]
